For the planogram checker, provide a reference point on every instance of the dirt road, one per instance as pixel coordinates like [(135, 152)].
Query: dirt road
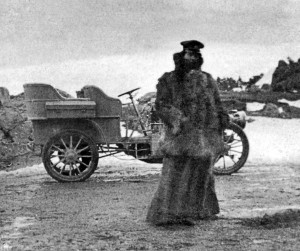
[(107, 212)]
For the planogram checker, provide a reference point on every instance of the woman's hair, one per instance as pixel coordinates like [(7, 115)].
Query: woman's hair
[(181, 66)]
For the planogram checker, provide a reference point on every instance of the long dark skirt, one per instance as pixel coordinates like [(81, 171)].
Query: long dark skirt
[(186, 191)]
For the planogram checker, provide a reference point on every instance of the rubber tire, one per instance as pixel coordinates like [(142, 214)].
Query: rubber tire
[(76, 178), (240, 163)]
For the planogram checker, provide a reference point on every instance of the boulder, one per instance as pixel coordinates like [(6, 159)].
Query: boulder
[(270, 110), (280, 110)]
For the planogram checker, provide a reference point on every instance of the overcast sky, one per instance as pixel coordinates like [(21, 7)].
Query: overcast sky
[(122, 44)]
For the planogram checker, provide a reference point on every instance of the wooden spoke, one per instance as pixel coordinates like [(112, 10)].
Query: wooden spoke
[(79, 161), (236, 146), (59, 149), (79, 170), (235, 151), (63, 168), (59, 155), (236, 141), (85, 156), (229, 138), (60, 161), (71, 142), (232, 159), (63, 142), (80, 150), (78, 143)]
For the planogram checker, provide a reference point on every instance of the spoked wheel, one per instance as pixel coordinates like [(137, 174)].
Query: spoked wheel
[(235, 153), (70, 156)]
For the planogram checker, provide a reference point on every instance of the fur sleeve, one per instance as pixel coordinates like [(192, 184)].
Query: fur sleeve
[(170, 115)]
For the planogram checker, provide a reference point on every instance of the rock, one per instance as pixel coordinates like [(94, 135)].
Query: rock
[(294, 81), (270, 110), (15, 134), (280, 110), (4, 95), (266, 88), (279, 86), (286, 77), (284, 110), (10, 117)]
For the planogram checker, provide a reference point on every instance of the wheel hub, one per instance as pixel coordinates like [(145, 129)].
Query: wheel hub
[(70, 155)]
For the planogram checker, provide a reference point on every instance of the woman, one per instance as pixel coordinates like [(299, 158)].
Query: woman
[(189, 105)]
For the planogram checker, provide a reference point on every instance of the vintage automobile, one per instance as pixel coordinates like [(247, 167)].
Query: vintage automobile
[(75, 132)]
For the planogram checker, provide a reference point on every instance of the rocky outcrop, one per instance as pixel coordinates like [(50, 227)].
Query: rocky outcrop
[(16, 140), (4, 95), (286, 77)]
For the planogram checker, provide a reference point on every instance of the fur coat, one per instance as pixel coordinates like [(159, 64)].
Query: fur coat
[(194, 117), (192, 113)]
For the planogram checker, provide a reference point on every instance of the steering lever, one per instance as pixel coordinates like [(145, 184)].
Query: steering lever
[(129, 92), (135, 109)]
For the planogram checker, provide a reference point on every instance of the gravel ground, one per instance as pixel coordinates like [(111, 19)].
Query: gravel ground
[(260, 205)]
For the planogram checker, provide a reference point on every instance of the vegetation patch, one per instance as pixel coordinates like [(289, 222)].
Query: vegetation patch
[(286, 218)]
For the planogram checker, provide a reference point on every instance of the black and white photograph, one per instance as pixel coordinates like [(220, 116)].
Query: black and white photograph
[(149, 125)]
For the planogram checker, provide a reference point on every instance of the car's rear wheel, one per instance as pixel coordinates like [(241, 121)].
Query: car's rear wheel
[(70, 156)]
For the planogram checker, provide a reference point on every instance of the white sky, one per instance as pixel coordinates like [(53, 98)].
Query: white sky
[(122, 44)]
